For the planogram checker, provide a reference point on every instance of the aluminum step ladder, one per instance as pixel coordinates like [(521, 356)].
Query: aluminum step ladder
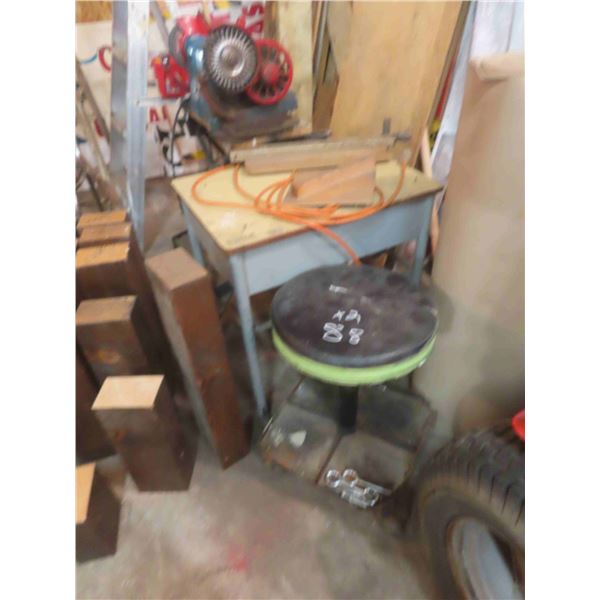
[(129, 84)]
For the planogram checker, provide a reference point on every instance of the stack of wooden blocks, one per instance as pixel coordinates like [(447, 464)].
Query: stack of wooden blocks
[(147, 332)]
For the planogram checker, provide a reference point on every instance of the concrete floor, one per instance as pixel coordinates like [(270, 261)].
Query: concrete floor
[(251, 531)]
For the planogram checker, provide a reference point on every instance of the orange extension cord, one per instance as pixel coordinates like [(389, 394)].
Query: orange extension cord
[(270, 201)]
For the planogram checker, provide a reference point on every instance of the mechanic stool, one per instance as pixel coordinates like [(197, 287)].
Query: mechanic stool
[(352, 326)]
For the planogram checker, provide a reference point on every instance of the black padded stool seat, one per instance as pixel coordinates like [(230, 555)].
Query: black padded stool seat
[(352, 317)]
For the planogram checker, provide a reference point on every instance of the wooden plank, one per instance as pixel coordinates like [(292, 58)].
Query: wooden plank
[(104, 234), (113, 337), (392, 65), (118, 269), (186, 301), (237, 230), (308, 160), (97, 515), (92, 219), (292, 27), (351, 174), (362, 144), (138, 415), (91, 443), (434, 227)]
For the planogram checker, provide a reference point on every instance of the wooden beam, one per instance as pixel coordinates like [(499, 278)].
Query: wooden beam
[(118, 269), (138, 415), (101, 218), (113, 337), (186, 301), (91, 443), (97, 515), (362, 144), (98, 235)]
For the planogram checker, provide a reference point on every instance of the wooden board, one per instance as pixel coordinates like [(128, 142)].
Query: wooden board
[(91, 443), (101, 218), (97, 515), (291, 161), (186, 301), (349, 184), (104, 234), (138, 415), (390, 60), (379, 143), (291, 25), (113, 337), (235, 230)]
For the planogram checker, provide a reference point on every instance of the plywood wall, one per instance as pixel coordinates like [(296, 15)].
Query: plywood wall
[(291, 24), (87, 12), (390, 57)]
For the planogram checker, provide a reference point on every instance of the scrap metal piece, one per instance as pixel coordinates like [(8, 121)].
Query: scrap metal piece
[(355, 490)]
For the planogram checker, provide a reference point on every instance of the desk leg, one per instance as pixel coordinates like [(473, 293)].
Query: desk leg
[(242, 294), (194, 243), (417, 268)]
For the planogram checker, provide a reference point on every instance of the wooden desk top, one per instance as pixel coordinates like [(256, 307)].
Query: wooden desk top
[(235, 230)]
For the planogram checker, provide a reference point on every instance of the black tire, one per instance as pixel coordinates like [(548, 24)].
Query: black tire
[(471, 506)]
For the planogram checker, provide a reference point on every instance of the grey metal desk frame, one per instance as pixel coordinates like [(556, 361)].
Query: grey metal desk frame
[(267, 266)]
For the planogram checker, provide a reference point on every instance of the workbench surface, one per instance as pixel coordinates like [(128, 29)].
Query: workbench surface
[(236, 229)]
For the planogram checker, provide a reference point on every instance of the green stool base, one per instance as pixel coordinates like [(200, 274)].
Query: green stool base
[(351, 377)]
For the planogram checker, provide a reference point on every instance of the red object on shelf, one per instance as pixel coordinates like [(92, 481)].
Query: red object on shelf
[(274, 73), (172, 79), (518, 423)]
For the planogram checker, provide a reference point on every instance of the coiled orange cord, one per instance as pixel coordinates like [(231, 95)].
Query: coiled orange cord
[(270, 201)]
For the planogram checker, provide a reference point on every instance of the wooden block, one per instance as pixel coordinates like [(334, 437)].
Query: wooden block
[(100, 218), (104, 234), (112, 335), (137, 413), (97, 515), (108, 270), (186, 301), (332, 179), (118, 270), (350, 184), (91, 443)]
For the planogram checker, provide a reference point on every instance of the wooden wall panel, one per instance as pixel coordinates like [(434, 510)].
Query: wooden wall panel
[(392, 66)]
